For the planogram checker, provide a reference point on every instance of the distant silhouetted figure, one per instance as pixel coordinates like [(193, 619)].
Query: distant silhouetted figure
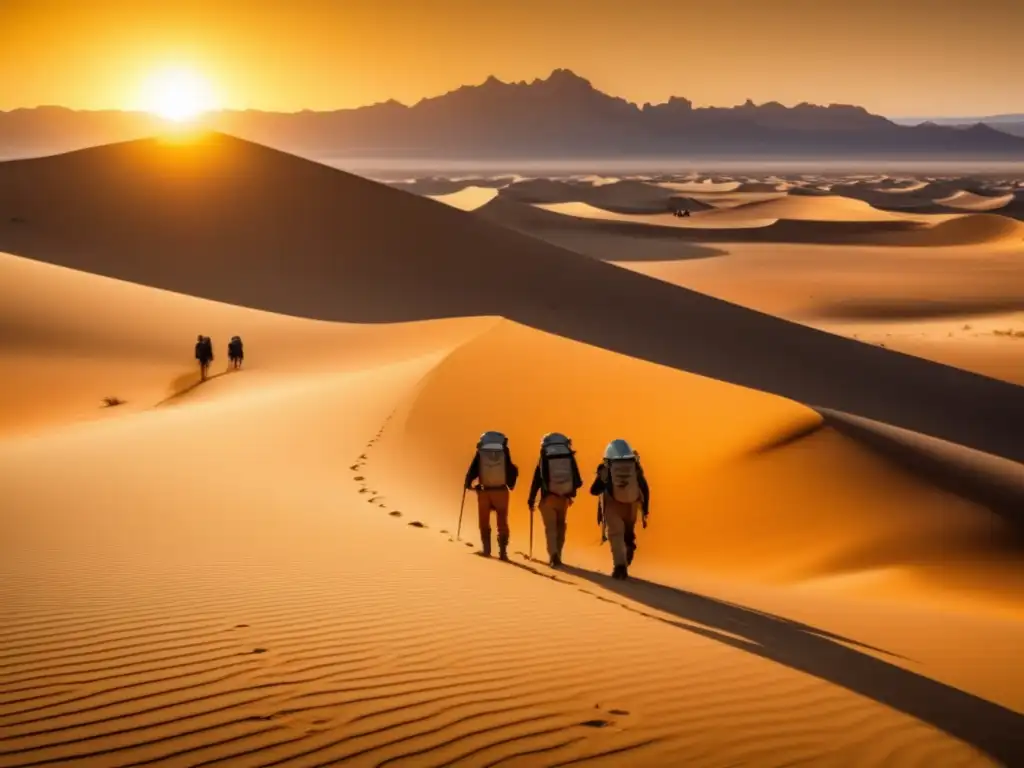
[(235, 353), (681, 214), (204, 354)]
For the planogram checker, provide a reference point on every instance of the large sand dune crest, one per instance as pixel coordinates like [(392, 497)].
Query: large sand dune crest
[(225, 219), (734, 444)]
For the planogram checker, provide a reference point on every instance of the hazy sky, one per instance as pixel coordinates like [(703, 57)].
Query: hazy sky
[(895, 57)]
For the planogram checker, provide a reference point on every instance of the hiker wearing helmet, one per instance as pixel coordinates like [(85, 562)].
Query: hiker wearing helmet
[(556, 478), (621, 486), (492, 466)]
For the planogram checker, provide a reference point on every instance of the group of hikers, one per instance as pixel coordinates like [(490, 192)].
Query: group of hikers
[(682, 214), (204, 354), (619, 484)]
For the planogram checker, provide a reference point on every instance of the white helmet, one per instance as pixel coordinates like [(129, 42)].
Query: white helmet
[(492, 441), (555, 438), (618, 449), (555, 443)]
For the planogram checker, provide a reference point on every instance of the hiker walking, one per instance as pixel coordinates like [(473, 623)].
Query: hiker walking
[(492, 466), (204, 354), (556, 478), (621, 486), (235, 353)]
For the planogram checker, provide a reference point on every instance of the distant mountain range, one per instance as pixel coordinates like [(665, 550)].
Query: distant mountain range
[(1012, 124), (561, 116)]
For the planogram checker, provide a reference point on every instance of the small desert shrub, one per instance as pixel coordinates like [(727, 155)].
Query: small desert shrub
[(110, 402), (1010, 333)]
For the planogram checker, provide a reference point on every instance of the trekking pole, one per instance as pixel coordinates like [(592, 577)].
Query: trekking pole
[(462, 506), (531, 533), (600, 518)]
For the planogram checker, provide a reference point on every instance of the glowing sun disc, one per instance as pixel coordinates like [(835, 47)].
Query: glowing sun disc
[(177, 94)]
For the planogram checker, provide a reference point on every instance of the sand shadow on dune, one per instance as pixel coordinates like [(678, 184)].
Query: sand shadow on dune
[(988, 727), (186, 383)]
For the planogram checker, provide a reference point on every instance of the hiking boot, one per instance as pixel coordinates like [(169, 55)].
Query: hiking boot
[(619, 572), (502, 548), (485, 545)]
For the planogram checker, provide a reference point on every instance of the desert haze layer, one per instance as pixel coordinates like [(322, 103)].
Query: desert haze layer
[(822, 376)]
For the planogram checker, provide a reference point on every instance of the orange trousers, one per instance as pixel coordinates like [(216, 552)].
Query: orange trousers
[(620, 522), (496, 500)]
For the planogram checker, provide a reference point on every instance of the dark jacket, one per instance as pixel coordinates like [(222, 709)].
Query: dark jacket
[(511, 471), (204, 351), (599, 486), (538, 482)]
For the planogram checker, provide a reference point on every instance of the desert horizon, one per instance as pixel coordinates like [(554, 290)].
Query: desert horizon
[(693, 449)]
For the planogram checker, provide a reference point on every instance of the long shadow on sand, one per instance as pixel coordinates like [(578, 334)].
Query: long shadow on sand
[(989, 727), (181, 386)]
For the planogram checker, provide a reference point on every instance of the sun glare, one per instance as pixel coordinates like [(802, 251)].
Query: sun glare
[(180, 95)]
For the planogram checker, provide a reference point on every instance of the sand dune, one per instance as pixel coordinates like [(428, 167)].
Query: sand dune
[(260, 570), (950, 196), (620, 196), (69, 339), (302, 630), (435, 187), (737, 442), (818, 208), (968, 201), (467, 199), (587, 211), (752, 223), (959, 306), (702, 187)]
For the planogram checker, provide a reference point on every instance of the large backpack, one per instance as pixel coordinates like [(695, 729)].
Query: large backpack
[(491, 452), (556, 465), (624, 480)]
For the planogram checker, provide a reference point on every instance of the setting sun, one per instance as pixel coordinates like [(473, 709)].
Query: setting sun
[(177, 94)]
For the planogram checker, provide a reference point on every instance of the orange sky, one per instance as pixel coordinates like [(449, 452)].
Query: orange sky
[(895, 57)]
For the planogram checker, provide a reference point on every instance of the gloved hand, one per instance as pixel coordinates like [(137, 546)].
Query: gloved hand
[(530, 506), (643, 520)]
